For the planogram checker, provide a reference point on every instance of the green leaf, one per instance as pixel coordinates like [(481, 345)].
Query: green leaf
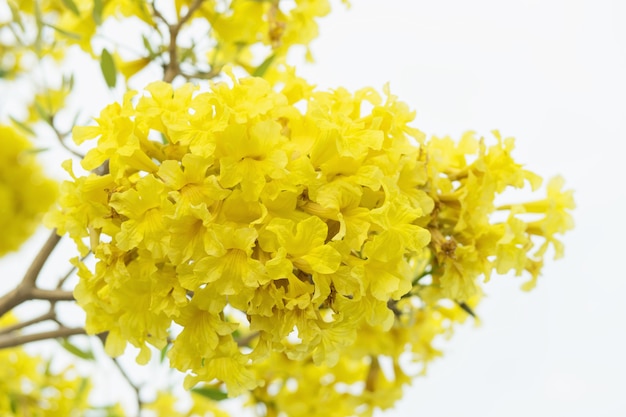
[(210, 393), (109, 410), (146, 44), (37, 150), (68, 82), (75, 350), (13, 403), (97, 11), (82, 390), (64, 32), (43, 113), (72, 6), (262, 69), (108, 68), (46, 371), (22, 126), (164, 351), (15, 14), (39, 22)]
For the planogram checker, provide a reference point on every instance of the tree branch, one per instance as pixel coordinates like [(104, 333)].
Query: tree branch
[(24, 290), (50, 315), (130, 382), (172, 69), (51, 295), (245, 340), (7, 341), (35, 268)]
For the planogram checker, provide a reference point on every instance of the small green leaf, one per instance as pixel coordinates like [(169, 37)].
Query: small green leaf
[(43, 113), (72, 6), (211, 393), (75, 350), (64, 32), (97, 11), (22, 126), (164, 352), (37, 150), (46, 371), (68, 82), (17, 18), (108, 68), (82, 391), (110, 410), (146, 44), (39, 22), (13, 403), (262, 69)]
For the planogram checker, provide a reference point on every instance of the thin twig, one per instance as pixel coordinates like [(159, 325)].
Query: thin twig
[(50, 315), (245, 340), (191, 10), (172, 68), (30, 278), (158, 14), (7, 341), (202, 75), (23, 291), (51, 295), (69, 273), (136, 388), (61, 138)]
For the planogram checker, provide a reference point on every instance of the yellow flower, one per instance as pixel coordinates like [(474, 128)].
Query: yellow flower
[(25, 192), (30, 387), (278, 223), (144, 208)]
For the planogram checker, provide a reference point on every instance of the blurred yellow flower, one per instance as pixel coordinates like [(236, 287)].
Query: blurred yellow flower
[(25, 192), (276, 224)]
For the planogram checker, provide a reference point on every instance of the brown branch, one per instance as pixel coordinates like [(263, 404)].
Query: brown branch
[(130, 382), (202, 75), (172, 69), (50, 315), (23, 291), (61, 139), (51, 295), (7, 341), (35, 268), (192, 9), (69, 273), (245, 340), (156, 13)]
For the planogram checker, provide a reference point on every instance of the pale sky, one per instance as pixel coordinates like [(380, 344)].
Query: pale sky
[(551, 73)]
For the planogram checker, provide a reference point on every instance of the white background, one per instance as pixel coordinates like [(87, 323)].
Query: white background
[(551, 73)]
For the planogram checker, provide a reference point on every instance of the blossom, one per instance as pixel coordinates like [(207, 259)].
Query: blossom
[(25, 192), (279, 224), (30, 386)]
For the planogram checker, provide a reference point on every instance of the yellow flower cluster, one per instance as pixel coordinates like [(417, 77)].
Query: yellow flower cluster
[(316, 230), (167, 404), (25, 193), (369, 374), (74, 22), (245, 27), (250, 34), (30, 388), (466, 241)]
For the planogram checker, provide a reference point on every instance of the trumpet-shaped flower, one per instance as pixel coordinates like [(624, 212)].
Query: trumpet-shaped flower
[(283, 224)]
